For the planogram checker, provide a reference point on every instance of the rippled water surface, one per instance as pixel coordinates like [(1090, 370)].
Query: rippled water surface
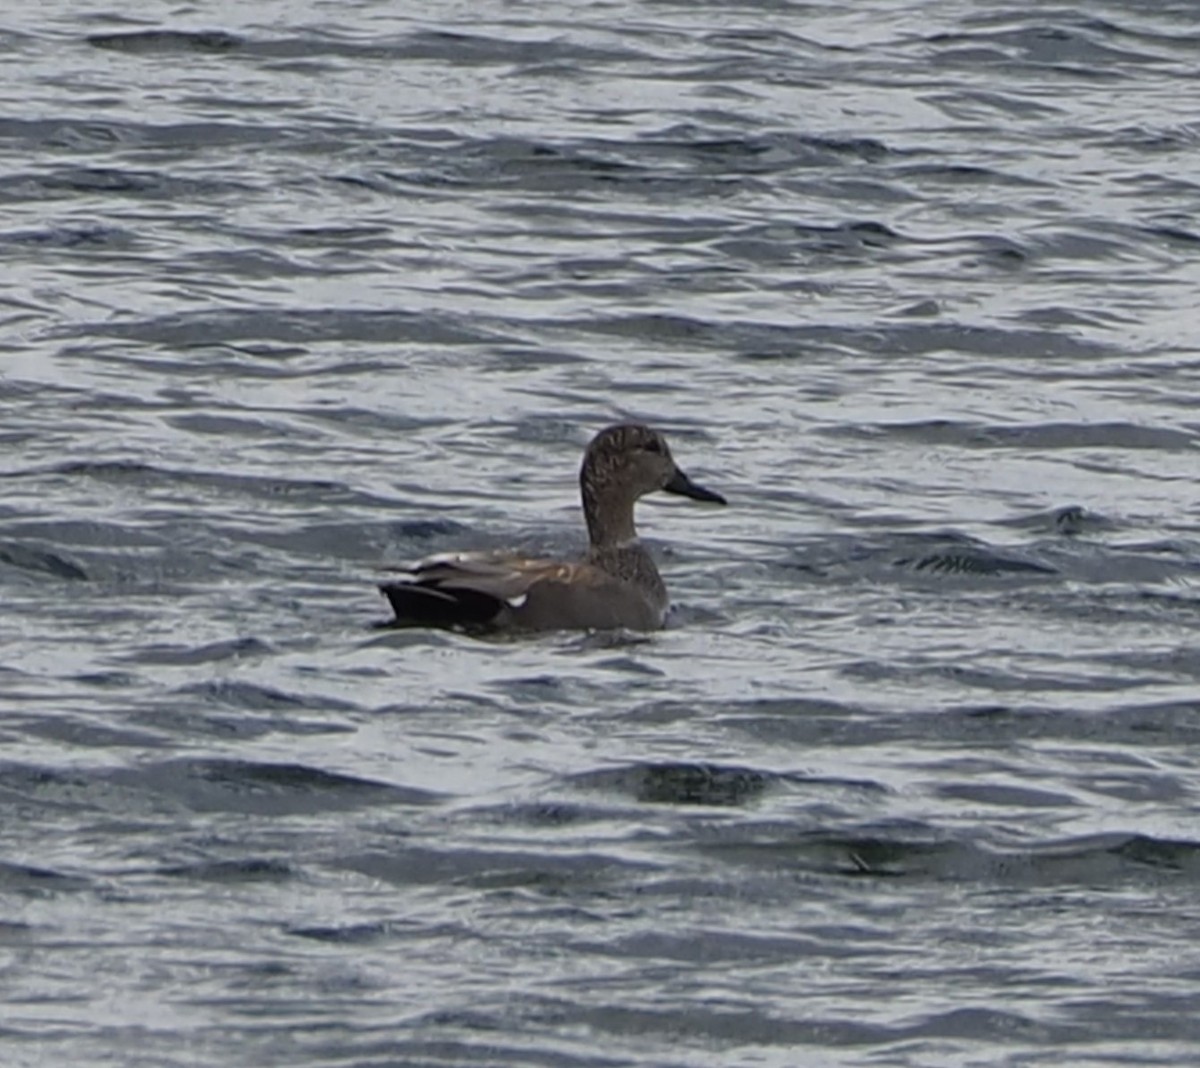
[(292, 292)]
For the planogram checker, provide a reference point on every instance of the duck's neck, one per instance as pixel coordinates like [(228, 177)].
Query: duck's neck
[(609, 516)]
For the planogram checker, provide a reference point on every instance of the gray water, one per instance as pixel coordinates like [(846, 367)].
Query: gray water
[(292, 292)]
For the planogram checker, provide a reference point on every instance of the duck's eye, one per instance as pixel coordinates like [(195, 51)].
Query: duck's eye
[(654, 445)]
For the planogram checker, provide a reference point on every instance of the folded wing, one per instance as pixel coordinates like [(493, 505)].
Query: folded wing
[(473, 590)]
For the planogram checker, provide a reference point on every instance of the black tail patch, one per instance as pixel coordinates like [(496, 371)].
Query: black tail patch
[(417, 605)]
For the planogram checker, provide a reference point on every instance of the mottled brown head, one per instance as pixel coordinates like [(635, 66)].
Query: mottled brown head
[(624, 463)]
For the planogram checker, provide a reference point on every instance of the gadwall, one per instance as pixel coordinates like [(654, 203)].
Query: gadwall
[(615, 585)]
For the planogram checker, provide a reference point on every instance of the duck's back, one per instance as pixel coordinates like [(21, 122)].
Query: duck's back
[(617, 587)]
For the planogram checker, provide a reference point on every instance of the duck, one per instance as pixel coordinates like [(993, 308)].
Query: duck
[(615, 585)]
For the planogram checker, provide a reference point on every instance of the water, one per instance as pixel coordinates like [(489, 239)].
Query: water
[(292, 292)]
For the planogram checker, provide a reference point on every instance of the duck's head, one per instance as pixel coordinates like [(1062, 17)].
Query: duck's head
[(626, 462)]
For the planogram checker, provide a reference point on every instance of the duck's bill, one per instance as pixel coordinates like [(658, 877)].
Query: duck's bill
[(685, 487)]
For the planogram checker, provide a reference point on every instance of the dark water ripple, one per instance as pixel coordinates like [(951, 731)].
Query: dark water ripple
[(293, 295)]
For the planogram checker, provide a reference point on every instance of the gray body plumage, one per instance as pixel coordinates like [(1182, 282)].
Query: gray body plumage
[(615, 585)]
